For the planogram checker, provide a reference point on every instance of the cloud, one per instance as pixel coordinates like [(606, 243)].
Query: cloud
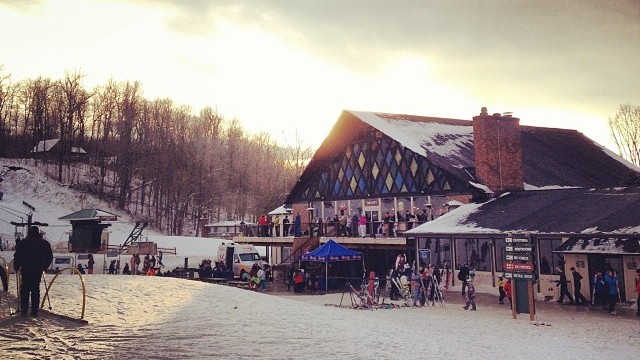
[(585, 51)]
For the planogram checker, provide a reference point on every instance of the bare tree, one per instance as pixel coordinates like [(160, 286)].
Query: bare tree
[(8, 97), (625, 130)]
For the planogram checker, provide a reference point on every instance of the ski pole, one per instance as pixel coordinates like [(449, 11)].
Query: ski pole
[(11, 313), (46, 293), (18, 286)]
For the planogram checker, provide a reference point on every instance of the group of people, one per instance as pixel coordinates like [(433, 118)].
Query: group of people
[(218, 270), (341, 225), (302, 280), (89, 267), (606, 290), (279, 226), (257, 277), (422, 284)]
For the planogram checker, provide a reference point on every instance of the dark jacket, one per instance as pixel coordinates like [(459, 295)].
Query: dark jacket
[(33, 255), (464, 273), (576, 279)]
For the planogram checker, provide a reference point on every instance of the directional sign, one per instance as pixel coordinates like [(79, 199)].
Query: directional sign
[(519, 248), (516, 241), (523, 276), (511, 266), (521, 257)]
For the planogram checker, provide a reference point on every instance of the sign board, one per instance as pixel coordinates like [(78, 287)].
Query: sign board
[(520, 257), (521, 276), (525, 267), (371, 202), (62, 260), (108, 218), (522, 297), (519, 248), (516, 241)]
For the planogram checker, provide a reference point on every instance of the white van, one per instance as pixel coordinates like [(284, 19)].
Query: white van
[(238, 257)]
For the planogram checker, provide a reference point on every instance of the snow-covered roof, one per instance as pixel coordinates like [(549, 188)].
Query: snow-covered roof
[(599, 245), (551, 158), (562, 211), (225, 223), (89, 214), (444, 137), (281, 210), (47, 145)]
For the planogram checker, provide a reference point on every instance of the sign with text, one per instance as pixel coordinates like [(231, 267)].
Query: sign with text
[(519, 257), (519, 248), (524, 267), (521, 276), (108, 218), (516, 240)]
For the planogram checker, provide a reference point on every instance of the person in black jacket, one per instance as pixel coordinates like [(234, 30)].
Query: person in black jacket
[(562, 283), (32, 257), (463, 275), (577, 286)]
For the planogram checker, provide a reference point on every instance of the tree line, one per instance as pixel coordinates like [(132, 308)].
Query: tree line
[(155, 159)]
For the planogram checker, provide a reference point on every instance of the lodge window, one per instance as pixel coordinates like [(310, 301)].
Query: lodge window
[(500, 254), (474, 252), (439, 248), (548, 260)]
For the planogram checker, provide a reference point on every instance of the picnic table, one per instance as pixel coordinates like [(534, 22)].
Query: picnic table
[(240, 283), (215, 280)]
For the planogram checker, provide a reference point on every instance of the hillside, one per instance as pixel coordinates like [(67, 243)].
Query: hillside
[(25, 183)]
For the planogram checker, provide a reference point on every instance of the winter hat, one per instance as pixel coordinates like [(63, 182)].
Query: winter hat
[(34, 231)]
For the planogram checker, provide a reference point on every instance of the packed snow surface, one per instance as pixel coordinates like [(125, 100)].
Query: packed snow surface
[(142, 317)]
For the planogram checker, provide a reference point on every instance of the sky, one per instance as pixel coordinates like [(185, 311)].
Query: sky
[(290, 67)]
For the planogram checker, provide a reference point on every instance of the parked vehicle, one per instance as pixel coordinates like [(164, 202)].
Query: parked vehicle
[(239, 257)]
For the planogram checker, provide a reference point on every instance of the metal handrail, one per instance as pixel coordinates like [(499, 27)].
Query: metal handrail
[(84, 290)]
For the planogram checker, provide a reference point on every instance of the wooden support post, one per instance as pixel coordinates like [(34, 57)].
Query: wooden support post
[(514, 301), (532, 306)]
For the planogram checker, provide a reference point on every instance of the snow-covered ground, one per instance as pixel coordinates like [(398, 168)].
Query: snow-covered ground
[(141, 317)]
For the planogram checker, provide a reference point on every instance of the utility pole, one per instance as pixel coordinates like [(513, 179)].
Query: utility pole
[(29, 222)]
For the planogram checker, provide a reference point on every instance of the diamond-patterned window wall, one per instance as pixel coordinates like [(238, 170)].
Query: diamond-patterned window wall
[(380, 167)]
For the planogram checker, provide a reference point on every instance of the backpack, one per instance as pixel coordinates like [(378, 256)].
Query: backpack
[(461, 276)]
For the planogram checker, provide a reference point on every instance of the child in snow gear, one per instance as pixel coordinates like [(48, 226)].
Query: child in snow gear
[(471, 296), (507, 291), (501, 283), (463, 275)]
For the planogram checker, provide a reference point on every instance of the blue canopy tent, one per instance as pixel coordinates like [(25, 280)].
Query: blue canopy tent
[(331, 251)]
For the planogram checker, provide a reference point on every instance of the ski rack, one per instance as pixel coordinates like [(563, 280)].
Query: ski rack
[(404, 292)]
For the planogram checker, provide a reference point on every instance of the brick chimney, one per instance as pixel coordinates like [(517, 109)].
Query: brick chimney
[(498, 153)]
